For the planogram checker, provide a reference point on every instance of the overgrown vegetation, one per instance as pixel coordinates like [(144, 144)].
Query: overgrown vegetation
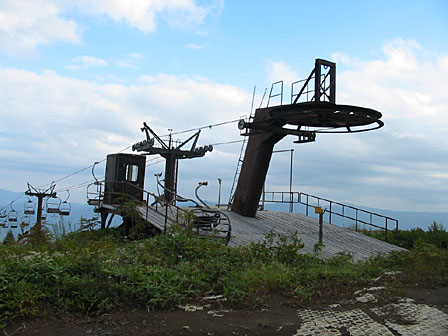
[(98, 271), (436, 236)]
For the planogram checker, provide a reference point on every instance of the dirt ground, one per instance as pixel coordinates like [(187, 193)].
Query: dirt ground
[(277, 315)]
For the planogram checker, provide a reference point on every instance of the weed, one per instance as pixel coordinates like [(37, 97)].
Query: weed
[(93, 272)]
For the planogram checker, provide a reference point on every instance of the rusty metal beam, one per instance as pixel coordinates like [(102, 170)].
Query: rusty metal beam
[(254, 169)]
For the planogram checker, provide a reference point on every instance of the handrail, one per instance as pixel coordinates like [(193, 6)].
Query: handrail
[(170, 212), (331, 208), (145, 201)]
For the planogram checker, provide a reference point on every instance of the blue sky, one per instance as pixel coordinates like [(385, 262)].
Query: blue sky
[(78, 78)]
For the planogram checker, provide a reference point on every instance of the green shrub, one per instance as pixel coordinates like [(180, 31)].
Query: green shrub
[(94, 272), (9, 238), (436, 235)]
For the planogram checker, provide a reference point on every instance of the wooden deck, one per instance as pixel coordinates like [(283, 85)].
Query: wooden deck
[(336, 239), (246, 230)]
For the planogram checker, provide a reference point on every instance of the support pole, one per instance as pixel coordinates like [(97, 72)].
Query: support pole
[(291, 204), (219, 192), (321, 212), (254, 169), (40, 194)]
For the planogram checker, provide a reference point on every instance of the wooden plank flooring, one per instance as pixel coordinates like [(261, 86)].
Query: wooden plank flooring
[(336, 239), (246, 230)]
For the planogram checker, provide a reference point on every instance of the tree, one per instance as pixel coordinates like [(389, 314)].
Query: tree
[(9, 238)]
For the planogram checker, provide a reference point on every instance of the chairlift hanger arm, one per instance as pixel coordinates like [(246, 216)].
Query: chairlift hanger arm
[(68, 196), (176, 196), (196, 136), (196, 193), (146, 128), (46, 193)]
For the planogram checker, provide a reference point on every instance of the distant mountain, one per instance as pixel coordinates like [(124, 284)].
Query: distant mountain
[(7, 197), (77, 209), (407, 219), (413, 219)]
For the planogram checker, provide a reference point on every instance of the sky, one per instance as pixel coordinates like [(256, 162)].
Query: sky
[(78, 78)]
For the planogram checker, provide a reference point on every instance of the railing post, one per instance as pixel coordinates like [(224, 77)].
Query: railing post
[(291, 202), (147, 205), (356, 221), (166, 217), (386, 229), (307, 204), (329, 214)]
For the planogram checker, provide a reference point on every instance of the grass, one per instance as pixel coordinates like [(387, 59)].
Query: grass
[(93, 272)]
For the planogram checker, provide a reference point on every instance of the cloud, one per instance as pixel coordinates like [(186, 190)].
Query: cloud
[(408, 157), (71, 123), (279, 70), (85, 62), (26, 25), (401, 166), (141, 14), (130, 61)]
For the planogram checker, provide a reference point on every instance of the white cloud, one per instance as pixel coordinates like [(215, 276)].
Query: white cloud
[(279, 70), (130, 61), (408, 86), (90, 61), (141, 14), (410, 92), (72, 123), (85, 62), (25, 25)]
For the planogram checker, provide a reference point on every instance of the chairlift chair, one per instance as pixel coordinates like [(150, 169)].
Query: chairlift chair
[(3, 219), (52, 205), (25, 222), (65, 207), (28, 207), (12, 219)]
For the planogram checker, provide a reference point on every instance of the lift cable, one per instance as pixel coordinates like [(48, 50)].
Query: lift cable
[(202, 127)]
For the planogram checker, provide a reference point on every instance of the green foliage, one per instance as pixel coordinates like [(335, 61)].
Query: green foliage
[(89, 224), (277, 248), (37, 234), (97, 271), (9, 238), (435, 235), (133, 225)]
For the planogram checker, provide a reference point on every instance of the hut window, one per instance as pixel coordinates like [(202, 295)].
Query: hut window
[(131, 173)]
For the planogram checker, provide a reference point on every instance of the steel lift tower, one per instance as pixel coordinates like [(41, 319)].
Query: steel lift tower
[(172, 153), (313, 110)]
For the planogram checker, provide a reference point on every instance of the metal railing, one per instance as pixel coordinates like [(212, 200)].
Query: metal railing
[(170, 212), (357, 215)]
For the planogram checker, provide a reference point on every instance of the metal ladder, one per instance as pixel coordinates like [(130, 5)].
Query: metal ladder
[(244, 145), (237, 172), (242, 152)]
